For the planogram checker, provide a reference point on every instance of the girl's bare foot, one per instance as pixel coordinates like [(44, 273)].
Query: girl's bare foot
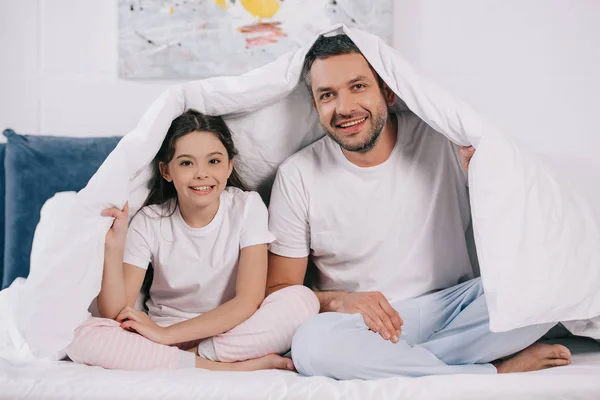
[(270, 361), (535, 357)]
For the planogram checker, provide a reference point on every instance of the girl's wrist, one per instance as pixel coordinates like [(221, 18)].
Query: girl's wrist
[(114, 252), (169, 336)]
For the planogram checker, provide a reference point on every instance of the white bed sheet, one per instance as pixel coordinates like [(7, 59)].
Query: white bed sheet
[(65, 380)]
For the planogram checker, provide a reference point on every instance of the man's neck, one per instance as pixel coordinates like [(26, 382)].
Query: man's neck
[(382, 149)]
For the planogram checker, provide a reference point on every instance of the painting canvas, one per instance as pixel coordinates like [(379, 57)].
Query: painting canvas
[(203, 38)]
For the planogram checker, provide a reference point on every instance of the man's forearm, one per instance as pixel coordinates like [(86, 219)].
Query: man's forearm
[(328, 300)]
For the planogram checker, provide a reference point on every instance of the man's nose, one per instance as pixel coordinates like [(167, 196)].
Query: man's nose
[(345, 106)]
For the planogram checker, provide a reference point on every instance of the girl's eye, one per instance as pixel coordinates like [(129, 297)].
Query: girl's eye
[(186, 163), (214, 161)]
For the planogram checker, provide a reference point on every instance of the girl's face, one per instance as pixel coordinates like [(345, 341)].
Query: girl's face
[(199, 169)]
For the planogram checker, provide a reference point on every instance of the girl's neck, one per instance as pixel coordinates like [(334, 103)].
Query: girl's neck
[(196, 216)]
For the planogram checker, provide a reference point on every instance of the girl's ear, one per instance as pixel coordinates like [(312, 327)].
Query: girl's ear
[(230, 169), (164, 171)]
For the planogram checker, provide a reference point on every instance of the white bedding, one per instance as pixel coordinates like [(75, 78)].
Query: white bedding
[(65, 380)]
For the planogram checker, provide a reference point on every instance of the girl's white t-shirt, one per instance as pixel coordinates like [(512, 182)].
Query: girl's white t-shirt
[(195, 269)]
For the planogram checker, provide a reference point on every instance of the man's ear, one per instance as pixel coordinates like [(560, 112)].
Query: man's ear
[(389, 95), (164, 171)]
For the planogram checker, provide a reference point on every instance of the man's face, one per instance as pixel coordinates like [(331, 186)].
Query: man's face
[(352, 108)]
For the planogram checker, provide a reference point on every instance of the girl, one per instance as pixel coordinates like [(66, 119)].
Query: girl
[(206, 239)]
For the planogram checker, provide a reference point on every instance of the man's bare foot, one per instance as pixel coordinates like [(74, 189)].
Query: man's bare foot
[(270, 361), (535, 357)]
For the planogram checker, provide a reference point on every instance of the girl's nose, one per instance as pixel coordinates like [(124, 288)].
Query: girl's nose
[(201, 174)]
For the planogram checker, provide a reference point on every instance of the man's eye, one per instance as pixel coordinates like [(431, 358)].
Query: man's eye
[(326, 96)]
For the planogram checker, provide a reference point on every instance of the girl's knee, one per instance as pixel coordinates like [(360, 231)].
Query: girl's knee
[(84, 348), (89, 340), (299, 299), (308, 298)]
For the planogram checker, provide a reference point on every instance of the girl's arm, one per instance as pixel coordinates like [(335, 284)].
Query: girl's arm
[(250, 292), (121, 282)]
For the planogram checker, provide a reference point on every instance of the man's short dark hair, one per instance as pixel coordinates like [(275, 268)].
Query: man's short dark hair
[(329, 46)]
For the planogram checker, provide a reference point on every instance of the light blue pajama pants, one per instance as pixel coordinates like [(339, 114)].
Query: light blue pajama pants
[(446, 332)]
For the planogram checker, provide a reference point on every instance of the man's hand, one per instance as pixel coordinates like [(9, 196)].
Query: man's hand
[(377, 312), (466, 153)]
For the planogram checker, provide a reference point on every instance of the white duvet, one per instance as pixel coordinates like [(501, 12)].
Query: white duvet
[(537, 233)]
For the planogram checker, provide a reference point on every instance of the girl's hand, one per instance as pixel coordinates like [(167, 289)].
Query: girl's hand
[(116, 235), (140, 322)]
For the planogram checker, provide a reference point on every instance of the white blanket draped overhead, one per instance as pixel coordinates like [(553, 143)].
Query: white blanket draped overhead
[(537, 237)]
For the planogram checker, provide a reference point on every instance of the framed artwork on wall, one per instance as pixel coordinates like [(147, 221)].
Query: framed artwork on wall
[(181, 39)]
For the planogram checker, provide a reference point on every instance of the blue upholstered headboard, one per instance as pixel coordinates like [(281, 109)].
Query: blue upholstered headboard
[(34, 168), (2, 196)]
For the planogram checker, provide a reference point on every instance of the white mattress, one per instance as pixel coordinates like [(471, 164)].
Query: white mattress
[(65, 380)]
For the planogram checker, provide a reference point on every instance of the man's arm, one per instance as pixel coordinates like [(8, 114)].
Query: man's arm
[(377, 312), (466, 153), (286, 271)]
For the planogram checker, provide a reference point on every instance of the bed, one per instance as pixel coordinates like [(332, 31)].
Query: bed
[(36, 156), (65, 380)]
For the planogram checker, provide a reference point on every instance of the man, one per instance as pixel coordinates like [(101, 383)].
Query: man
[(380, 206)]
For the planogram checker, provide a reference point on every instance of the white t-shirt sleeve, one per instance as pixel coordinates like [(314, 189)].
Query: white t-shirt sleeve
[(288, 219), (256, 223), (138, 246)]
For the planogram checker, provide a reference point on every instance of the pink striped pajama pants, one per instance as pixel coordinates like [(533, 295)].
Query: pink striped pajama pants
[(102, 342)]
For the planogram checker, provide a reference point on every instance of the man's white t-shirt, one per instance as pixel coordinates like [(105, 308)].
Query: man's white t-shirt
[(195, 269), (398, 227)]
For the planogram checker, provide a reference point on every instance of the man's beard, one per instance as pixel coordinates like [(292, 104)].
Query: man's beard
[(378, 123)]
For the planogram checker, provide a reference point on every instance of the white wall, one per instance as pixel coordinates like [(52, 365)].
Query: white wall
[(529, 65), (58, 70), (532, 66)]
